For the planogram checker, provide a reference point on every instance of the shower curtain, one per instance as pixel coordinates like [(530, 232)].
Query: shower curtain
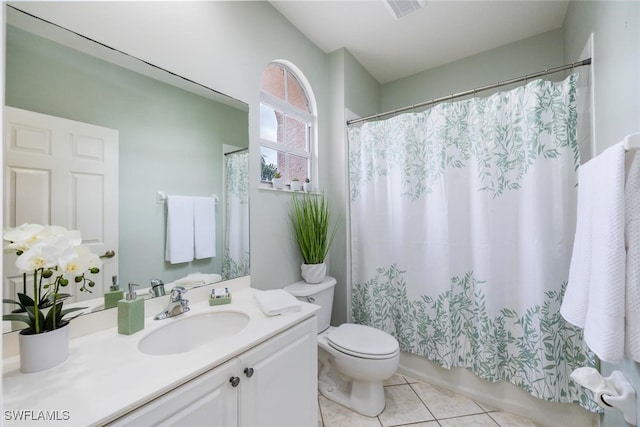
[(462, 221), (236, 240)]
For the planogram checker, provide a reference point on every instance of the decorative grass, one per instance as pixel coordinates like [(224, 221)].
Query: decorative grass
[(310, 219)]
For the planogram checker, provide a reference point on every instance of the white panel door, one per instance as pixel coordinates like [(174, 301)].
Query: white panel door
[(61, 172)]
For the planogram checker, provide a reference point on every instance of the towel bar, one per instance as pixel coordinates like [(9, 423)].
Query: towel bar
[(161, 197), (632, 141)]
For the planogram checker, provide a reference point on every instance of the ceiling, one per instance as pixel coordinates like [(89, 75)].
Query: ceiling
[(442, 32)]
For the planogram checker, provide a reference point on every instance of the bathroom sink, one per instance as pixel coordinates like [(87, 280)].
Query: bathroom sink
[(183, 335)]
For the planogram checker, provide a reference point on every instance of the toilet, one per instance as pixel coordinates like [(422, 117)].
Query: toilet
[(353, 360)]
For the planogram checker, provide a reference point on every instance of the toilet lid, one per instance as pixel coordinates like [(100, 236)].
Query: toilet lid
[(362, 341)]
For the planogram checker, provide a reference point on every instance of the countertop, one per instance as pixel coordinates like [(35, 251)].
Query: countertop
[(106, 375)]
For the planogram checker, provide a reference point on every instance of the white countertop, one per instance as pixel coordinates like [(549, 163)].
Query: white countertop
[(106, 375)]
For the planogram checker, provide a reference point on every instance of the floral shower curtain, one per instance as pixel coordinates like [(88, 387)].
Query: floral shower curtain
[(236, 239), (462, 221)]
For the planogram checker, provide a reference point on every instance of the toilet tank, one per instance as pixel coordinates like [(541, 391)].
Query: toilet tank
[(320, 294)]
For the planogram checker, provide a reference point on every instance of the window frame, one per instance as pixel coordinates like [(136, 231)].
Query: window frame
[(289, 110)]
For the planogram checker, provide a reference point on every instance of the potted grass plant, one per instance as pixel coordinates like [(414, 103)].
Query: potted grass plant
[(314, 233), (277, 180), (295, 184)]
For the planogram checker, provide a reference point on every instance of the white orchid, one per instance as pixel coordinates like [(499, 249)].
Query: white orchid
[(57, 255)]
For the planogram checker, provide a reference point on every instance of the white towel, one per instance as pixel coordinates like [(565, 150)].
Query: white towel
[(277, 301), (204, 224), (632, 234), (199, 279), (179, 245), (595, 295)]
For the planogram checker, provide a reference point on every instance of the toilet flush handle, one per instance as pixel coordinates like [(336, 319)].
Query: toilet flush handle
[(311, 300)]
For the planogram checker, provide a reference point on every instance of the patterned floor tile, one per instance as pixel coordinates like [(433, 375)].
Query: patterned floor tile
[(335, 415), (505, 419), (486, 408), (396, 379), (403, 407), (443, 403), (481, 420)]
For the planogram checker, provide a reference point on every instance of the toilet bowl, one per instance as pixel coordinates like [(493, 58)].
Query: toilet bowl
[(353, 360)]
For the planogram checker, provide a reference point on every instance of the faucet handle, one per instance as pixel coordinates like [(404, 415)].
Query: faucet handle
[(177, 292)]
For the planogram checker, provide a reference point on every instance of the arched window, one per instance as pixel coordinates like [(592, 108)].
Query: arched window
[(286, 125)]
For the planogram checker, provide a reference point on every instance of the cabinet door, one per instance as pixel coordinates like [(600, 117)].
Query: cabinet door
[(282, 390), (208, 400)]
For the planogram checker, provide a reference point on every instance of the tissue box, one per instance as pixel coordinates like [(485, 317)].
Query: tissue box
[(220, 301)]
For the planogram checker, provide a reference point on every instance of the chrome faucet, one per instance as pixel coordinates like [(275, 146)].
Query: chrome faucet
[(177, 305)]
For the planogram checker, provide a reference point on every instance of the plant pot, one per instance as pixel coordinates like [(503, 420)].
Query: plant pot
[(308, 187), (43, 351), (313, 273), (295, 186), (277, 183)]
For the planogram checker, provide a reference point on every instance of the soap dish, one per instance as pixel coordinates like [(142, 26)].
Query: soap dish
[(220, 301)]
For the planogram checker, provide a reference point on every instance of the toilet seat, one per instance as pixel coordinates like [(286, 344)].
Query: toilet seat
[(362, 341)]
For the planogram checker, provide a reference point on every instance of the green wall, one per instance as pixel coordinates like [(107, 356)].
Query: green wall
[(170, 140)]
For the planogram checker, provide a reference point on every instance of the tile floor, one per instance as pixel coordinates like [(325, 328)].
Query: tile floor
[(415, 403)]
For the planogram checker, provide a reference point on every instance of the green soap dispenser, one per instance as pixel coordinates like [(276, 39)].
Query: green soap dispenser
[(114, 295), (130, 313)]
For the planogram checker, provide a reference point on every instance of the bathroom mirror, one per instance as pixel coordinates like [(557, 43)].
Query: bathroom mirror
[(175, 137)]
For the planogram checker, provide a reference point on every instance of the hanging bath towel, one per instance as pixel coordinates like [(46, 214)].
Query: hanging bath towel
[(180, 243), (632, 237), (204, 226), (595, 295)]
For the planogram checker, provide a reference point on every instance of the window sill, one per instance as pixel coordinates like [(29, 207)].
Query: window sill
[(286, 190)]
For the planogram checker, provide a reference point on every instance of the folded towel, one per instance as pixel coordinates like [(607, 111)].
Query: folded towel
[(204, 226), (595, 294), (179, 243), (277, 301), (199, 279)]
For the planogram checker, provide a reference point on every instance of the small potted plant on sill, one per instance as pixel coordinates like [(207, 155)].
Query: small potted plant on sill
[(314, 234), (307, 186), (295, 184), (276, 181), (52, 257)]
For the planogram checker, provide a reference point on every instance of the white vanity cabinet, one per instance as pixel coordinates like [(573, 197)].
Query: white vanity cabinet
[(279, 386), (272, 384), (208, 400)]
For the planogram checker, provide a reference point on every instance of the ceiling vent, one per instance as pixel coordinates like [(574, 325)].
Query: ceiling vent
[(402, 8)]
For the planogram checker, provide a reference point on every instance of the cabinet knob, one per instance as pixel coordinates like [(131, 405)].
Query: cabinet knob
[(248, 372), (234, 381)]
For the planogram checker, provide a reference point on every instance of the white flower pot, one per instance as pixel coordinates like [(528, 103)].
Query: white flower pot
[(295, 186), (277, 183), (43, 351), (313, 273), (308, 187)]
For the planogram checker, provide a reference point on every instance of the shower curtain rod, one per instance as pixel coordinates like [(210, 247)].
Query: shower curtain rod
[(473, 91), (236, 151)]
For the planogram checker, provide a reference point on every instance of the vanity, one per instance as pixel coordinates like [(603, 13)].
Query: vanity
[(261, 372)]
